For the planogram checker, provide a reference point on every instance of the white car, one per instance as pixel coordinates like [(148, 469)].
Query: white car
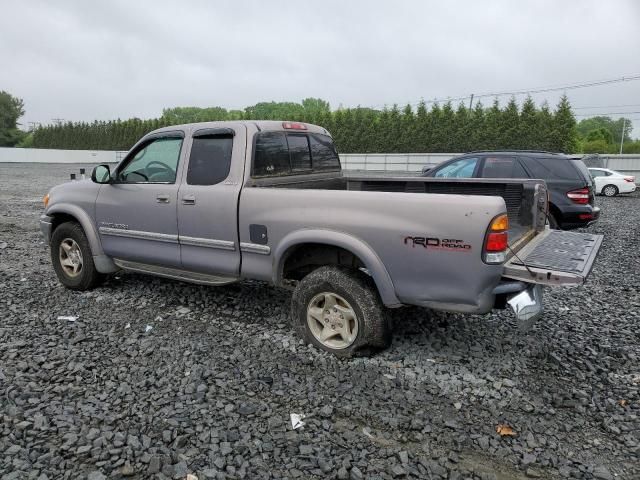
[(610, 183)]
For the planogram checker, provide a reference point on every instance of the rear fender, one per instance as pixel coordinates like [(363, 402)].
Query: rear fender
[(356, 246)]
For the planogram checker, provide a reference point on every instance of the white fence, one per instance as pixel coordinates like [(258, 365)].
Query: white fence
[(43, 155), (374, 162)]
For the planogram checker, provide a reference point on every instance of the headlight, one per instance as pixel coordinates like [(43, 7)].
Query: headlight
[(45, 200)]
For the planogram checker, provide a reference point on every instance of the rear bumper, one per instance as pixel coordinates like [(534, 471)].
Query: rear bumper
[(629, 188), (580, 217), (45, 227)]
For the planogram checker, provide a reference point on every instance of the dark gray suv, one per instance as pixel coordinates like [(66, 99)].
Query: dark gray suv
[(571, 189)]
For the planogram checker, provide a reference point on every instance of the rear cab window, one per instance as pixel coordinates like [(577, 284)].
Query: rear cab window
[(284, 153)]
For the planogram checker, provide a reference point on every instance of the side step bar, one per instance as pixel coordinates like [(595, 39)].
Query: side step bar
[(174, 273)]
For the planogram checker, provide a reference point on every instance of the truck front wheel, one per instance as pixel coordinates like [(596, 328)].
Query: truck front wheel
[(72, 259), (339, 310)]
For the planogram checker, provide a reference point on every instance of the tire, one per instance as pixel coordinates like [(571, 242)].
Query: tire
[(610, 190), (72, 259), (356, 322)]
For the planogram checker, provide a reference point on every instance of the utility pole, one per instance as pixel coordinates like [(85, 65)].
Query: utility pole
[(471, 101), (624, 123)]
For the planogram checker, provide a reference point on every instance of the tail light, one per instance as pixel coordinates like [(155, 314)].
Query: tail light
[(630, 179), (294, 126), (581, 196), (496, 240)]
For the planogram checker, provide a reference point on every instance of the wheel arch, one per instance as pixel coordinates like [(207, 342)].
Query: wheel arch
[(319, 244), (61, 213)]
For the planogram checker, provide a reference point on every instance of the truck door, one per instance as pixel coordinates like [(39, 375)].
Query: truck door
[(136, 213), (208, 201)]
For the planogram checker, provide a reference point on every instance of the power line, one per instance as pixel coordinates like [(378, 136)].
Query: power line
[(529, 91), (608, 106), (600, 114)]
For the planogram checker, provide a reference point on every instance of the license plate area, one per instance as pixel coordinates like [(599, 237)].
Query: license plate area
[(555, 257)]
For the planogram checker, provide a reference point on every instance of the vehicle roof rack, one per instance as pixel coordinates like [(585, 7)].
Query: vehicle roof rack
[(514, 151)]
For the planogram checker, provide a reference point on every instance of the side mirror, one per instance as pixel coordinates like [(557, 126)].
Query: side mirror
[(101, 174)]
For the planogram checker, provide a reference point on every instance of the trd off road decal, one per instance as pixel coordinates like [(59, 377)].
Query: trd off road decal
[(432, 243)]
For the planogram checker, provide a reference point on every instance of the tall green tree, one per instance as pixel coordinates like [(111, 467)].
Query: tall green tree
[(11, 109), (564, 136)]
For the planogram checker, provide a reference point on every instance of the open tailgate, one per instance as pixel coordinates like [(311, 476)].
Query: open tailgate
[(555, 257)]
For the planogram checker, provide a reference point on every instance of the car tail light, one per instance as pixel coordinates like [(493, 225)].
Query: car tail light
[(630, 179), (585, 216), (496, 240), (294, 126), (581, 196)]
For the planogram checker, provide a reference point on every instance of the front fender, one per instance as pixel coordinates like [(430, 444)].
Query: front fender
[(103, 263), (356, 246), (83, 219)]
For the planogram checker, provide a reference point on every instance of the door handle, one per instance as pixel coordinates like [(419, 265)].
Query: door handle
[(162, 198), (189, 200)]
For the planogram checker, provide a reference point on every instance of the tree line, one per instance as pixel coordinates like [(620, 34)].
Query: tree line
[(437, 128), (421, 128)]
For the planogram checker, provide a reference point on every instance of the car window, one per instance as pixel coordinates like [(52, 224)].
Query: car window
[(462, 168), (154, 162), (597, 173), (548, 168), (581, 170), (210, 160), (502, 167), (299, 151), (272, 155)]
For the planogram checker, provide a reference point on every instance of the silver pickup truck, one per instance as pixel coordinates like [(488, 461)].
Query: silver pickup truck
[(213, 203)]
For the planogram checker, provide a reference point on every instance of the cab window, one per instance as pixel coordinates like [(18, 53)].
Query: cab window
[(462, 168), (154, 162), (210, 159)]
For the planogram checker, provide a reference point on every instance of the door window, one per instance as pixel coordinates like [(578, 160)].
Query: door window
[(462, 168), (154, 162), (210, 160), (502, 167)]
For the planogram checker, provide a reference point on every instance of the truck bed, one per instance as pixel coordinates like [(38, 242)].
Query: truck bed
[(525, 218)]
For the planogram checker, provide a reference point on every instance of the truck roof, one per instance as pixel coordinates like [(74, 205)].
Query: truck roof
[(262, 125)]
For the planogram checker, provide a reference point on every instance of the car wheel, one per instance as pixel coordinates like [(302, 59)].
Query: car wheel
[(610, 190), (339, 310), (553, 223), (72, 259)]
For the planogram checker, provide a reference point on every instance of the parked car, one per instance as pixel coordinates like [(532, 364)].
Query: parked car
[(571, 189), (610, 183), (214, 203)]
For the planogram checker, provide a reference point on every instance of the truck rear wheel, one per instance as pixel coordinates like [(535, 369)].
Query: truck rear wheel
[(339, 310), (72, 259)]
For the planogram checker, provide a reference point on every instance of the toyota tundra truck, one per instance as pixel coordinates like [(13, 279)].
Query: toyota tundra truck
[(214, 203)]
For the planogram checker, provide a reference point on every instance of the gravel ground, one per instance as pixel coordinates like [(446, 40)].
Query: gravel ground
[(209, 389)]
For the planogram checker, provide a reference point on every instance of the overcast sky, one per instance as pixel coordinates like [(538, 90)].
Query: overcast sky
[(86, 60)]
